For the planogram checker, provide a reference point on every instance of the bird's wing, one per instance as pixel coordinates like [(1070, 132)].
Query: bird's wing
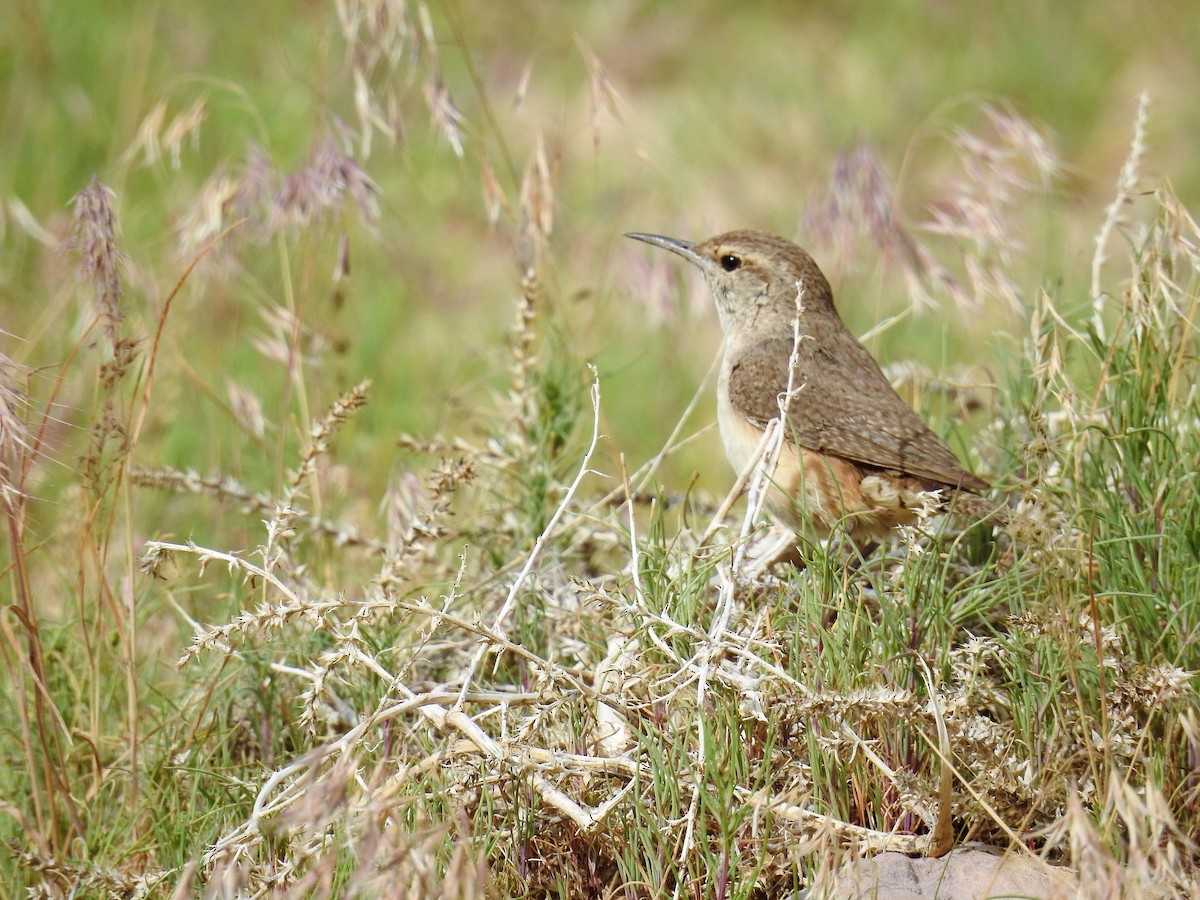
[(845, 407)]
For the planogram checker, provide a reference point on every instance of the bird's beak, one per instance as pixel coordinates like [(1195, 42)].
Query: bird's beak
[(682, 248)]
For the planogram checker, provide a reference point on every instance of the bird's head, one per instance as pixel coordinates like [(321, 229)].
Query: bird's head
[(757, 280)]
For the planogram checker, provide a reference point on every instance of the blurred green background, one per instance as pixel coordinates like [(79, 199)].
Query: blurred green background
[(716, 119)]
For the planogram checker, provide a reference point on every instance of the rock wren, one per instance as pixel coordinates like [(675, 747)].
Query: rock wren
[(856, 456)]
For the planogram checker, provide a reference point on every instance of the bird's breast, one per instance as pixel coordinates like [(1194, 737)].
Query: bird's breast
[(813, 491), (739, 435)]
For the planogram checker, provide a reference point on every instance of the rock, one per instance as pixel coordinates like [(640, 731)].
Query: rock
[(965, 874)]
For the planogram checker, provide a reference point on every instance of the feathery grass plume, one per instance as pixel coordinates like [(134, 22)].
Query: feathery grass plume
[(535, 212), (226, 197), (857, 204), (320, 189), (94, 236), (1127, 185), (15, 438), (156, 137), (247, 409), (208, 216), (858, 201), (426, 40), (494, 200), (257, 183), (378, 37), (604, 96), (978, 212), (317, 193), (287, 341), (375, 32), (1010, 161), (94, 228), (445, 115)]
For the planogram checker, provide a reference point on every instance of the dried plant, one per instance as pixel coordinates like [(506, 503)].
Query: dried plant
[(94, 236), (156, 137), (977, 211), (320, 188)]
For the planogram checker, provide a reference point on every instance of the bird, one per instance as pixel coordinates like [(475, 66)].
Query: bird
[(857, 458)]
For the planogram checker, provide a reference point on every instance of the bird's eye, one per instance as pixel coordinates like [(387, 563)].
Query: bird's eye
[(731, 263)]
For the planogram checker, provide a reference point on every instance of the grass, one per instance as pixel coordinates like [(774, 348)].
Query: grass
[(438, 542)]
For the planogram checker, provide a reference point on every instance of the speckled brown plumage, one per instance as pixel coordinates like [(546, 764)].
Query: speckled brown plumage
[(861, 455), (845, 407)]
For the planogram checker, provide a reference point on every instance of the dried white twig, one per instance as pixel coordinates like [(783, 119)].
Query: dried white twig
[(1126, 186), (542, 539), (762, 466)]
